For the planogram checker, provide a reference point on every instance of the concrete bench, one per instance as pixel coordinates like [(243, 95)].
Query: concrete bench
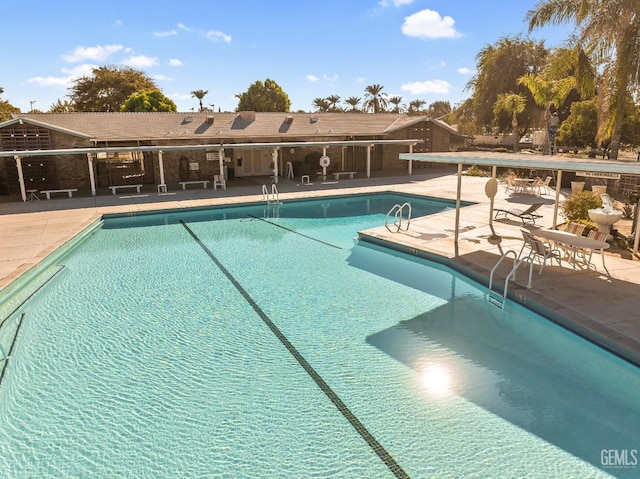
[(114, 189), (204, 183), (68, 191), (338, 174)]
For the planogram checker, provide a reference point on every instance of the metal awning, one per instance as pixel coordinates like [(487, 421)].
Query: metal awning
[(522, 160)]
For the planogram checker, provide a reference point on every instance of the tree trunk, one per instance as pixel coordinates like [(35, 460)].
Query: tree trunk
[(615, 142)]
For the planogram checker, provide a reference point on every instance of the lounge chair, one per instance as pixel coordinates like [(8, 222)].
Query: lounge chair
[(527, 216)]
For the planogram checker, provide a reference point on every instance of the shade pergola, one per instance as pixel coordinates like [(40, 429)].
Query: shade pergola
[(523, 160), (90, 152)]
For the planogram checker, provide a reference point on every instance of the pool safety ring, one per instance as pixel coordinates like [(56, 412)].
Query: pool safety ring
[(325, 161)]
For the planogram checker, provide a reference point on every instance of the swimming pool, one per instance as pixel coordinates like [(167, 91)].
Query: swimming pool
[(264, 342)]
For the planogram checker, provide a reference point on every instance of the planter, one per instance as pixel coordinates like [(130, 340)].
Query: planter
[(599, 189), (577, 186)]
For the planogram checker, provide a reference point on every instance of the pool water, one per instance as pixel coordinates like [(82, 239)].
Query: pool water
[(264, 342)]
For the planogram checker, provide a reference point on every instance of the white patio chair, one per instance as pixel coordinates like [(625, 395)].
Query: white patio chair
[(539, 250)]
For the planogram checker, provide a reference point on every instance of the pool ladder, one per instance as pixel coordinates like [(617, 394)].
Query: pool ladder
[(495, 297), (273, 197), (398, 212)]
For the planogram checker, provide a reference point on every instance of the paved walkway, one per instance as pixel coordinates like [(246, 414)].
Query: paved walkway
[(601, 305)]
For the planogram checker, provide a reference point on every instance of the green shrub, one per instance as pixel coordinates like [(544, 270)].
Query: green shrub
[(500, 149), (475, 171), (577, 206)]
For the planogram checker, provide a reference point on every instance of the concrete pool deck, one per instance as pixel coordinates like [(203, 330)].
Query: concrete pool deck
[(603, 306)]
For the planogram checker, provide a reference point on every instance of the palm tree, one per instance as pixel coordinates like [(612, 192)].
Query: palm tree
[(353, 102), (609, 30), (513, 104), (199, 94), (415, 106), (333, 102), (321, 104), (375, 100), (396, 102)]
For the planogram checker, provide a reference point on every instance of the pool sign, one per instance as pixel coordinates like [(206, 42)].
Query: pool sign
[(619, 458), (598, 174)]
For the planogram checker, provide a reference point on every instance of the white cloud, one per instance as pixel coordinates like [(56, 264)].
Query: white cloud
[(160, 77), (325, 78), (464, 70), (429, 86), (168, 33), (80, 70), (395, 3), (50, 81), (98, 53), (182, 26), (118, 23), (140, 61), (174, 62), (360, 79), (429, 24), (215, 36)]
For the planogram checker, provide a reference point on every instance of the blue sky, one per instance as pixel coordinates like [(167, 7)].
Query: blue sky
[(416, 49)]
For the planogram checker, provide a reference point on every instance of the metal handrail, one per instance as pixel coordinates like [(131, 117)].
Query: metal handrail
[(397, 211)]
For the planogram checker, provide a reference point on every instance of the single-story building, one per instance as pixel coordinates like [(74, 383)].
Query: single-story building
[(85, 151)]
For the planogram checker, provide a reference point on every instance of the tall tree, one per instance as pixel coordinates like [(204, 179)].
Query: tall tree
[(415, 106), (440, 109), (199, 94), (396, 101), (321, 105), (267, 96), (6, 108), (61, 107), (512, 104), (375, 100), (498, 68), (152, 100), (609, 31), (333, 101), (107, 88), (353, 102)]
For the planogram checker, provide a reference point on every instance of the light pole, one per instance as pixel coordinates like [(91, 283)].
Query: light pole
[(31, 102)]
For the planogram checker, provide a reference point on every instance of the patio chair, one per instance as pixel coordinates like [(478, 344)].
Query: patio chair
[(576, 228), (510, 186), (584, 255), (536, 186), (527, 216), (546, 185), (539, 250)]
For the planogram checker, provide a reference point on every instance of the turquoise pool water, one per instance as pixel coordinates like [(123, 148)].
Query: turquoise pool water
[(264, 342)]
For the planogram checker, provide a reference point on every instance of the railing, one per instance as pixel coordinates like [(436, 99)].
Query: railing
[(273, 197), (398, 212)]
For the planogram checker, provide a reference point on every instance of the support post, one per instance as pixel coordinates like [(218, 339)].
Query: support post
[(92, 178), (369, 161), (555, 207), (162, 187), (274, 159), (410, 161), (23, 191), (458, 194)]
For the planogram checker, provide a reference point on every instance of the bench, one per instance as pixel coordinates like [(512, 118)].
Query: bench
[(204, 183), (114, 189), (68, 191), (337, 174)]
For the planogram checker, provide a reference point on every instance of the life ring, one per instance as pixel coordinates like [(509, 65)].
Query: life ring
[(325, 161)]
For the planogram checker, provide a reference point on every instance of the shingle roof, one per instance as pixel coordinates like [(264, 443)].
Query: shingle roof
[(211, 126)]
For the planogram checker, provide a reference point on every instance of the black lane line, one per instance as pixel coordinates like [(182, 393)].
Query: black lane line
[(378, 448), (31, 295), (294, 231), (6, 361)]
